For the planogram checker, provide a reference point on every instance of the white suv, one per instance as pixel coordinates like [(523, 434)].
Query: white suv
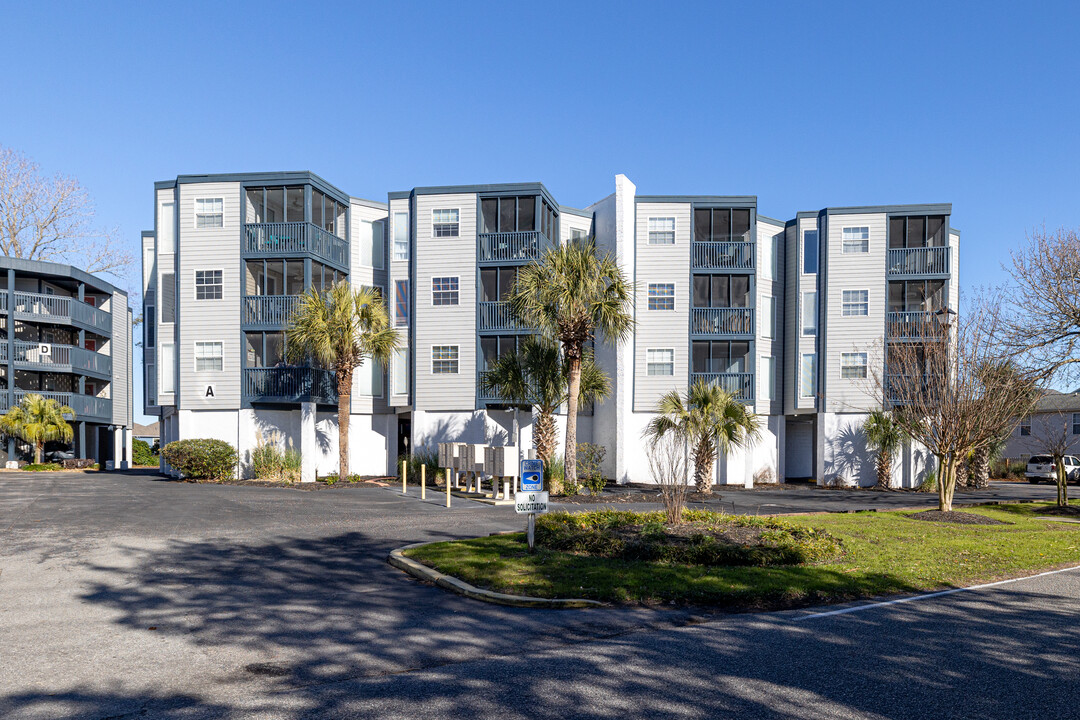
[(1041, 467)]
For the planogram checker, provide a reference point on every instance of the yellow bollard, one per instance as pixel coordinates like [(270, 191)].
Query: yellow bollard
[(403, 490), (447, 487), (423, 482)]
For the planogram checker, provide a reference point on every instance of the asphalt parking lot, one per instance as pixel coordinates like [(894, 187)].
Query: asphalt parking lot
[(130, 596)]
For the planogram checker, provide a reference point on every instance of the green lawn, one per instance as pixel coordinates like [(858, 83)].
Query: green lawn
[(885, 552)]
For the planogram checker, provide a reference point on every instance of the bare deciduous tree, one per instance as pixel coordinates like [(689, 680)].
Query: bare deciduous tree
[(667, 464), (51, 218), (955, 392), (1055, 437), (1044, 322)]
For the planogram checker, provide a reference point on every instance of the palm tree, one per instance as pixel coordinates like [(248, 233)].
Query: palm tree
[(38, 420), (571, 295), (536, 376), (708, 418), (884, 436), (339, 329)]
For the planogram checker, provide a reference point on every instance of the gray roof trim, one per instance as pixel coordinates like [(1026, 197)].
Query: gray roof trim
[(253, 178), (42, 267), (772, 221), (369, 203), (164, 184), (740, 201), (398, 194), (925, 209), (954, 230), (494, 188), (575, 211), (807, 214), (147, 233)]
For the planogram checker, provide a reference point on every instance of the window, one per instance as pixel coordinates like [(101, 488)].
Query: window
[(661, 296), (509, 214), (371, 243), (769, 376), (168, 368), (401, 236), (720, 356), (1025, 427), (208, 213), (444, 291), (400, 366), (809, 313), (444, 223), (149, 326), (853, 365), (444, 359), (208, 284), (208, 356), (151, 384), (1076, 423), (808, 378), (168, 298), (660, 362), (661, 231), (810, 251), (166, 229), (401, 303), (369, 379), (576, 234), (856, 302), (768, 309), (721, 291), (856, 240)]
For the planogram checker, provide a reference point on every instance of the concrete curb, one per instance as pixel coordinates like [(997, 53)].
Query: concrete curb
[(452, 584)]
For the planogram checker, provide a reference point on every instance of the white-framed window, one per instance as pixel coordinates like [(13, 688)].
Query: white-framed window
[(166, 229), (401, 236), (371, 244), (444, 291), (168, 368), (660, 361), (369, 379), (208, 356), (856, 240), (661, 296), (208, 213), (853, 365), (809, 313), (444, 223), (577, 234), (661, 231), (808, 376), (1025, 427), (401, 303), (400, 366), (444, 359), (768, 311), (855, 302), (208, 284), (769, 374), (810, 252)]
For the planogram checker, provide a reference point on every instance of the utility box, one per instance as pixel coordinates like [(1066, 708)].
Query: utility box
[(501, 461)]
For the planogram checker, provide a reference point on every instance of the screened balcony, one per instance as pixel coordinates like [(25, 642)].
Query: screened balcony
[(515, 229), (272, 311), (290, 385), (296, 220), (57, 309), (722, 321), (739, 384), (497, 316)]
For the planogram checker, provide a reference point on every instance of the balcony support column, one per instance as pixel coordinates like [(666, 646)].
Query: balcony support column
[(82, 292), (308, 442), (82, 440), (11, 353), (307, 274)]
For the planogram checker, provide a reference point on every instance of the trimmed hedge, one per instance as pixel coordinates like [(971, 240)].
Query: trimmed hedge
[(142, 454), (202, 459), (707, 538)]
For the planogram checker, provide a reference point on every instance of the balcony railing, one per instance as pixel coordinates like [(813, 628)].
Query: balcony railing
[(918, 325), (722, 321), (723, 255), (291, 238), (61, 358), (739, 384), (512, 246), (86, 407), (496, 315), (3, 301), (60, 309), (290, 385), (269, 310), (918, 261)]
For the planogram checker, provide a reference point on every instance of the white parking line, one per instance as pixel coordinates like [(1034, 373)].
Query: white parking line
[(927, 596)]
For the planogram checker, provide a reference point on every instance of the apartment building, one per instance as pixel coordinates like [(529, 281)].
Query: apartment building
[(723, 294), (69, 339)]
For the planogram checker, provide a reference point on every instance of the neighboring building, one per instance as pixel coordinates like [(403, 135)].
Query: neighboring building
[(723, 294), (69, 339), (1055, 421), (147, 433)]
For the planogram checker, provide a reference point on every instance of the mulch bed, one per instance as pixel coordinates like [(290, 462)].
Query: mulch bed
[(318, 485), (1067, 511), (955, 516)]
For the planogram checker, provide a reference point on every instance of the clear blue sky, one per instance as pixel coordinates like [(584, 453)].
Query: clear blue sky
[(802, 104)]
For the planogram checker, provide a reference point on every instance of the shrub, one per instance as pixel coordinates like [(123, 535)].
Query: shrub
[(423, 456), (141, 454), (270, 462), (590, 458), (929, 483), (201, 459), (645, 536), (41, 467), (555, 478), (78, 464)]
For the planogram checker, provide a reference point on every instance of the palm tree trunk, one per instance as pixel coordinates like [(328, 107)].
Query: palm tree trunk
[(344, 409), (703, 466), (884, 469), (980, 467), (38, 447), (545, 435), (573, 356)]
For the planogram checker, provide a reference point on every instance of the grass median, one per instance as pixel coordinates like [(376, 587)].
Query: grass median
[(882, 553)]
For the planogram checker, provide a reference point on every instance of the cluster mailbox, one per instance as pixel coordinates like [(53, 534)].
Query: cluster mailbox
[(501, 461)]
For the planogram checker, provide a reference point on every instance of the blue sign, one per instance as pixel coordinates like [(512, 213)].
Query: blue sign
[(532, 475)]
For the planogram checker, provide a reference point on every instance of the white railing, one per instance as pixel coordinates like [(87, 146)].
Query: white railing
[(918, 261), (722, 321)]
